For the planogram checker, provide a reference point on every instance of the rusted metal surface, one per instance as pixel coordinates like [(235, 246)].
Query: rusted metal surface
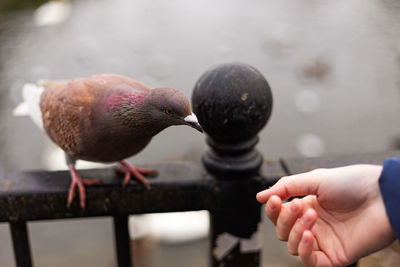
[(183, 186), (43, 195)]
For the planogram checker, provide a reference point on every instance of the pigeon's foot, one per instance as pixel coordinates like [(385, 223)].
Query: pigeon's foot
[(137, 173), (78, 181)]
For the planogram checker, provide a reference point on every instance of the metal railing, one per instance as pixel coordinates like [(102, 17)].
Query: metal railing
[(233, 103)]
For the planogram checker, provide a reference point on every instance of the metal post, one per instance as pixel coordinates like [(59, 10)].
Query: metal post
[(233, 103), (20, 239), (122, 241)]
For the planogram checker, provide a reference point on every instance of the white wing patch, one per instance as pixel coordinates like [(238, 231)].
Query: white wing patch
[(30, 106), (21, 110)]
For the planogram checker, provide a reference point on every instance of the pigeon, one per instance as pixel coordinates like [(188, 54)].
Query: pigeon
[(103, 118)]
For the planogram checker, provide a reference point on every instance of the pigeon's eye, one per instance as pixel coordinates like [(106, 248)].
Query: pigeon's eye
[(168, 111)]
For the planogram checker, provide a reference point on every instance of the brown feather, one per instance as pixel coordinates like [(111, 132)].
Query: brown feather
[(67, 108)]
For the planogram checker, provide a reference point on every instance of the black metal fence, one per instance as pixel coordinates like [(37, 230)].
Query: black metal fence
[(233, 103)]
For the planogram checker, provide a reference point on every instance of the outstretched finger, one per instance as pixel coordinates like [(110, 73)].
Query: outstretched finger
[(292, 186), (273, 208)]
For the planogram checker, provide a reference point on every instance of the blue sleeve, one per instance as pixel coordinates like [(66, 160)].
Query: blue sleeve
[(389, 183)]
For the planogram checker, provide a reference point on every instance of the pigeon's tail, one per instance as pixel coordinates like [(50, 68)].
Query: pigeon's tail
[(30, 106)]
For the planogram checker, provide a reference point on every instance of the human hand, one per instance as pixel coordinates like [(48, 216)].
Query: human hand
[(341, 218)]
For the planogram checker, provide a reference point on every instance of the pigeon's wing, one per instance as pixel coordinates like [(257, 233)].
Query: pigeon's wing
[(116, 82), (67, 108)]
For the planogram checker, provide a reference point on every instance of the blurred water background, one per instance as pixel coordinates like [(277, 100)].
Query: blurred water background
[(333, 67)]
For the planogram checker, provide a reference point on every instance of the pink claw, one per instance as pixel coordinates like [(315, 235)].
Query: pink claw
[(137, 173), (78, 181)]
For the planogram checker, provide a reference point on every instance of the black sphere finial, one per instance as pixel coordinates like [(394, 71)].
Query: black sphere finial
[(233, 102)]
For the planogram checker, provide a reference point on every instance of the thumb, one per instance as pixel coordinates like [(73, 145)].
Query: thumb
[(292, 186)]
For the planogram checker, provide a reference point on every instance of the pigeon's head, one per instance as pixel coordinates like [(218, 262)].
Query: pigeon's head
[(169, 107)]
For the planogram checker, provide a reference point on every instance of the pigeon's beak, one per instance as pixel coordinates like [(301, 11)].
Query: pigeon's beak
[(192, 121)]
